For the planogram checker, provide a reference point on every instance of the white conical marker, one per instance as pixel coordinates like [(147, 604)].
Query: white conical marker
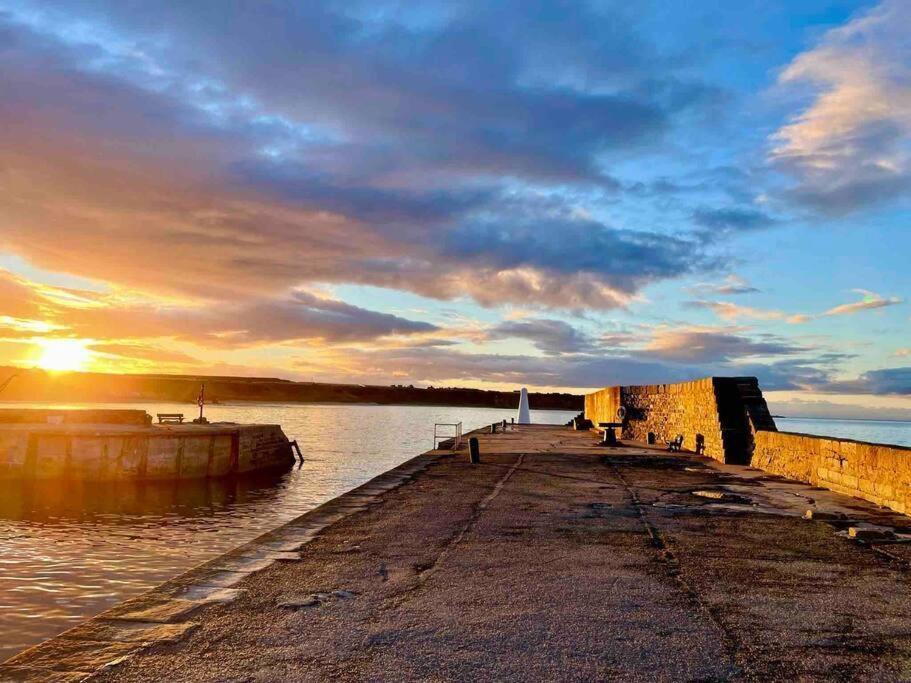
[(524, 417)]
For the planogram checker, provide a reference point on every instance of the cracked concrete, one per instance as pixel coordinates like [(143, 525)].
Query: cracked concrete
[(552, 559)]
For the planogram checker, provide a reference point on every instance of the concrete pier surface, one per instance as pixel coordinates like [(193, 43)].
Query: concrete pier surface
[(552, 559)]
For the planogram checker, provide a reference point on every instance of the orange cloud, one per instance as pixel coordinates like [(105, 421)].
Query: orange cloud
[(870, 301)]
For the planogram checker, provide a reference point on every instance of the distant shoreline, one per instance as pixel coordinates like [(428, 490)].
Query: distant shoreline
[(241, 402), (841, 419), (38, 386)]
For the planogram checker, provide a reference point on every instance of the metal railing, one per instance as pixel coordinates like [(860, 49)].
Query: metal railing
[(439, 435)]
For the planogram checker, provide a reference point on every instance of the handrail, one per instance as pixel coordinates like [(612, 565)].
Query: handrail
[(456, 437)]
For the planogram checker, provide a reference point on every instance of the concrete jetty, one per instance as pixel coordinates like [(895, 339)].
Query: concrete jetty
[(124, 445), (554, 558)]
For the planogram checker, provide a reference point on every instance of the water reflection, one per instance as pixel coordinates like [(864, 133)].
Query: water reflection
[(124, 503), (69, 550)]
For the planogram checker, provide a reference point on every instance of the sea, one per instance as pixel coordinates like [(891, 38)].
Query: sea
[(893, 432), (69, 551)]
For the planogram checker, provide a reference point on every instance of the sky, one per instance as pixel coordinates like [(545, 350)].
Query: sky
[(552, 194)]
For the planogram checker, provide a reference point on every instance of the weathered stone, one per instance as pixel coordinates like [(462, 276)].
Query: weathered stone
[(129, 631), (160, 612), (245, 564), (68, 655), (32, 674), (300, 602), (203, 593), (223, 579)]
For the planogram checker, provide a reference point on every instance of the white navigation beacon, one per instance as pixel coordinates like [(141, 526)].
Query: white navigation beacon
[(524, 417)]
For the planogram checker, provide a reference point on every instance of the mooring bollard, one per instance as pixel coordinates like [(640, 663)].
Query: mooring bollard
[(474, 450), (504, 424), (493, 428)]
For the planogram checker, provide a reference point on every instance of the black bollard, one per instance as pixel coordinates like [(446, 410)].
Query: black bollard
[(493, 428), (474, 451)]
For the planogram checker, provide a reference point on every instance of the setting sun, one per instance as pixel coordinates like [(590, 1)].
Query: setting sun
[(64, 354)]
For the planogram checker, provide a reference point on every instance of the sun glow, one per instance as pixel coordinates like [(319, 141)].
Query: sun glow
[(63, 354)]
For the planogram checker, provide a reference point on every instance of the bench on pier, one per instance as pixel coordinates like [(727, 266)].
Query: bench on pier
[(675, 444), (170, 418)]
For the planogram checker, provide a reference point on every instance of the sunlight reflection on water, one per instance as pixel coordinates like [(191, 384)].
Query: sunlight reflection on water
[(68, 551)]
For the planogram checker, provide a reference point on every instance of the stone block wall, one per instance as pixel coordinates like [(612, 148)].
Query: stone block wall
[(723, 411), (876, 472), (257, 448), (149, 454)]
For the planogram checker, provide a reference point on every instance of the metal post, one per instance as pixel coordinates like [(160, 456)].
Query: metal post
[(201, 402), (474, 450)]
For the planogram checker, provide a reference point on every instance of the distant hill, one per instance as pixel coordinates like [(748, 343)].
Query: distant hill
[(39, 385)]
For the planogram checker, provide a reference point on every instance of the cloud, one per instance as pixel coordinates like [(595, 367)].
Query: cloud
[(299, 315), (374, 156), (143, 352), (429, 365), (790, 374), (850, 147), (885, 381), (732, 284), (870, 301), (731, 219), (731, 311), (713, 345), (665, 357), (553, 337), (579, 262)]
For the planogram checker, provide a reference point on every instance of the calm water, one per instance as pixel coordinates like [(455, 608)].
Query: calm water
[(877, 431), (70, 551)]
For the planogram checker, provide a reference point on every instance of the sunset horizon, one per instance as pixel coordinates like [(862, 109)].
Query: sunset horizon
[(456, 209)]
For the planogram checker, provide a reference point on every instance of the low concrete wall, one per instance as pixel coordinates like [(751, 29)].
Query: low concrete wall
[(876, 472), (110, 453), (723, 411)]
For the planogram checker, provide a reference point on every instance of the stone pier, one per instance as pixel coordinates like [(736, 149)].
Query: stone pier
[(68, 445), (554, 558)]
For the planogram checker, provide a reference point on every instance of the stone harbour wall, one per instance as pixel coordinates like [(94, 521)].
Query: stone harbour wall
[(723, 411), (689, 408), (151, 454), (879, 473)]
